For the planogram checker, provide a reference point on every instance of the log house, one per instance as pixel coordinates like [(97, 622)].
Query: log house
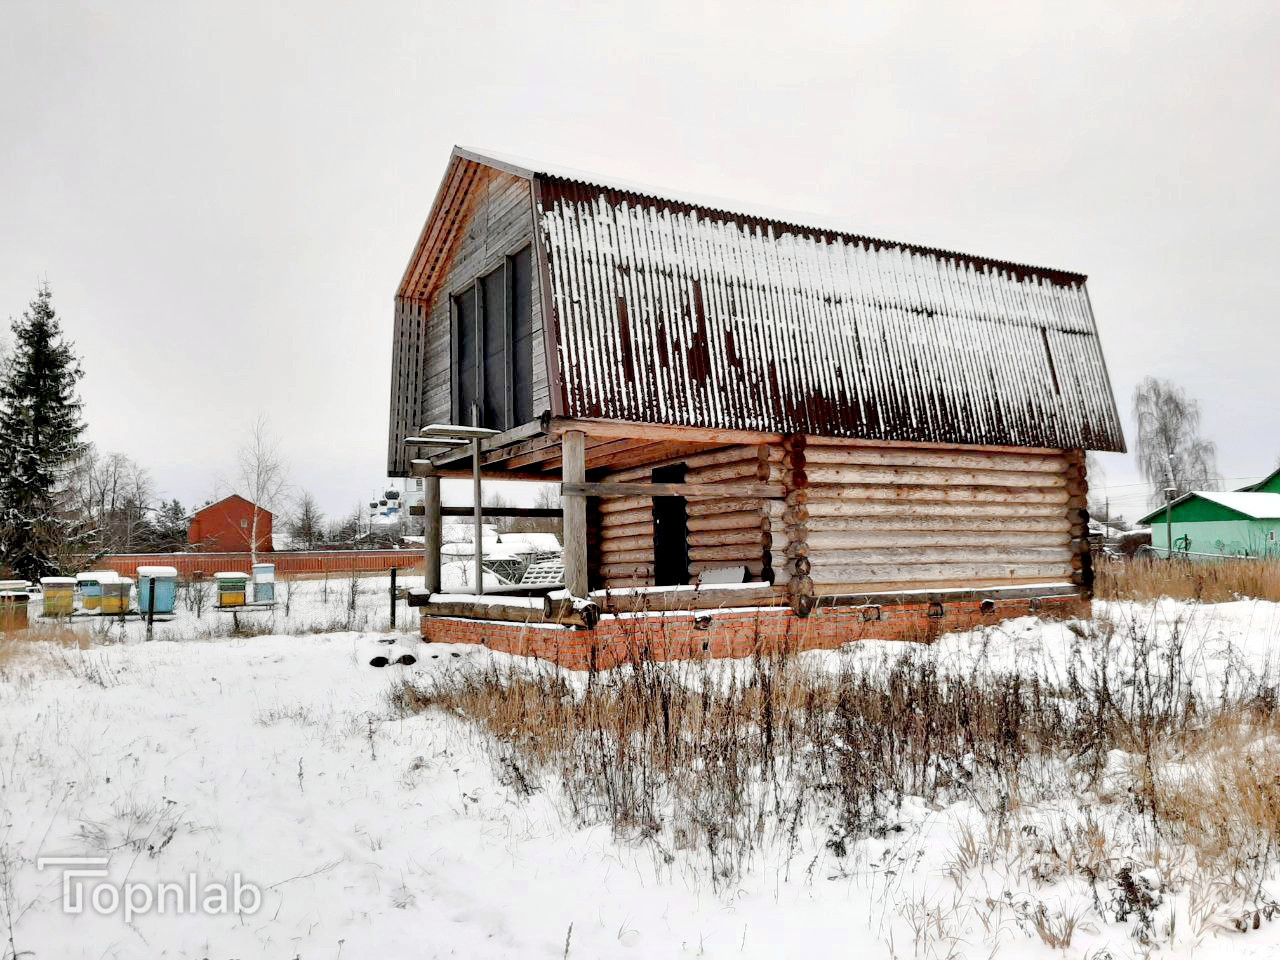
[(729, 398)]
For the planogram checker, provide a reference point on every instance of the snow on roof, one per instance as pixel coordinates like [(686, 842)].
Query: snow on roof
[(1256, 506), (535, 542)]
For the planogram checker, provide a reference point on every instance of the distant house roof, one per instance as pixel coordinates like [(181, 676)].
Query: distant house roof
[(1269, 484), (234, 498), (1250, 505), (682, 312)]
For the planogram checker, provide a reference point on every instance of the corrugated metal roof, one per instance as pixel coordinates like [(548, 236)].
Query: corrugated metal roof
[(667, 312)]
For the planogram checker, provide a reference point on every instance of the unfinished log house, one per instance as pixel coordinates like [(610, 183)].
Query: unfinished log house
[(726, 398)]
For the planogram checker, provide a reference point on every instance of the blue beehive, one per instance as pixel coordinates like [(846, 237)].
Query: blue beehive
[(165, 580), (264, 583)]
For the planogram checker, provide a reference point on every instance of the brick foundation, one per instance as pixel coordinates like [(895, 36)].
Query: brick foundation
[(739, 633)]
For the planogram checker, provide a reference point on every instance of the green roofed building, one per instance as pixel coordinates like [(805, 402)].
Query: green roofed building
[(1240, 523)]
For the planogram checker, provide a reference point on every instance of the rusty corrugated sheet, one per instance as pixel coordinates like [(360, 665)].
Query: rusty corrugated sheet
[(673, 314)]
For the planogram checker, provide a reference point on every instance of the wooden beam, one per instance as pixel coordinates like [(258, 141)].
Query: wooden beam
[(432, 531), (543, 512), (655, 431), (732, 490), (574, 444)]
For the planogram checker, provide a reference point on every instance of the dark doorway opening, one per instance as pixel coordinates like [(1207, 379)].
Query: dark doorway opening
[(670, 531)]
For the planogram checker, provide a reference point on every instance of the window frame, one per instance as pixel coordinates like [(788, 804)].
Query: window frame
[(475, 287)]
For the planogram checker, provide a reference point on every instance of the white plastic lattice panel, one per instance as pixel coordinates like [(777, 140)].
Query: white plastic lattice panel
[(544, 573)]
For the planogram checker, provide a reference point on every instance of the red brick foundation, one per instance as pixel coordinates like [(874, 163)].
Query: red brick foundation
[(738, 633)]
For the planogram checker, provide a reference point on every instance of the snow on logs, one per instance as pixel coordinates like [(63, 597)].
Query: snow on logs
[(556, 608)]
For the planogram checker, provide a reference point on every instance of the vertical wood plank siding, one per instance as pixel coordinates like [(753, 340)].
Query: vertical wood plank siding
[(480, 216), (673, 314)]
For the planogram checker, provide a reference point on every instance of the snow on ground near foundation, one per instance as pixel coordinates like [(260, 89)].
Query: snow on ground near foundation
[(278, 758)]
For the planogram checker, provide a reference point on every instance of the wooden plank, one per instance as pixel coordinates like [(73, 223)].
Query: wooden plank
[(575, 514), (610, 557), (626, 505), (626, 571), (730, 553), (728, 490)]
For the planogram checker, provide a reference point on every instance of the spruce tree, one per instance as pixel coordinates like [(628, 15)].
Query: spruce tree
[(40, 430)]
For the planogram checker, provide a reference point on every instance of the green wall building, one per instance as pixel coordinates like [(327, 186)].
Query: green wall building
[(1240, 523)]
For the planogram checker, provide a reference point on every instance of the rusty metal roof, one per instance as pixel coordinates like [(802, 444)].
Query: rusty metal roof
[(673, 313)]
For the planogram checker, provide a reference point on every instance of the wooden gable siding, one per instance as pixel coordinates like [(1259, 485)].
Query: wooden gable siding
[(480, 216)]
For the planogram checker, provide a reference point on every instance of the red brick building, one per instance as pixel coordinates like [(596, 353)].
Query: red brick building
[(227, 526)]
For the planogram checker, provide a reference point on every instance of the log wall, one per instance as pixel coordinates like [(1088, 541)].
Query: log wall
[(723, 532), (860, 518), (865, 519)]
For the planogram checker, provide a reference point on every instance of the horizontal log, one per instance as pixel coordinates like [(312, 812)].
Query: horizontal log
[(736, 520), (846, 456), (617, 531), (609, 556), (731, 552), (627, 518), (1005, 553), (966, 494), (643, 541), (931, 508), (509, 613), (854, 442), (716, 506), (621, 504), (932, 476), (860, 524), (621, 583), (629, 571), (726, 490), (751, 469), (634, 430), (848, 594), (703, 597), (956, 573), (846, 540), (707, 538), (753, 567)]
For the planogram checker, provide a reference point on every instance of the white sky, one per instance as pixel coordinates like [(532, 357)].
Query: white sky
[(223, 195)]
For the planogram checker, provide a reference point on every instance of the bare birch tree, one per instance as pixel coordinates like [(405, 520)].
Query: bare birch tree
[(263, 477), (1170, 451)]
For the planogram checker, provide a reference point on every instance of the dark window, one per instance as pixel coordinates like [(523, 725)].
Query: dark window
[(670, 531), (466, 336), (521, 336), (493, 291), (493, 347)]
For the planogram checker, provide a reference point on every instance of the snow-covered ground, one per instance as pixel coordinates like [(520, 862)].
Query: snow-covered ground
[(279, 759)]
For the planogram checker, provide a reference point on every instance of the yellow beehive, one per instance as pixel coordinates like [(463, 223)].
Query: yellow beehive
[(115, 596), (59, 596), (231, 588)]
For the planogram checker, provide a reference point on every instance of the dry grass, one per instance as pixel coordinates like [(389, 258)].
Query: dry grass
[(1210, 581), (714, 762)]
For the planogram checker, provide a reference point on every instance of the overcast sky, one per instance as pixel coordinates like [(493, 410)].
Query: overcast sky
[(223, 195)]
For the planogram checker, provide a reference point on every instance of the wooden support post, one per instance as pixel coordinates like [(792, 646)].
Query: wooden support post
[(478, 523), (574, 471), (432, 531)]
